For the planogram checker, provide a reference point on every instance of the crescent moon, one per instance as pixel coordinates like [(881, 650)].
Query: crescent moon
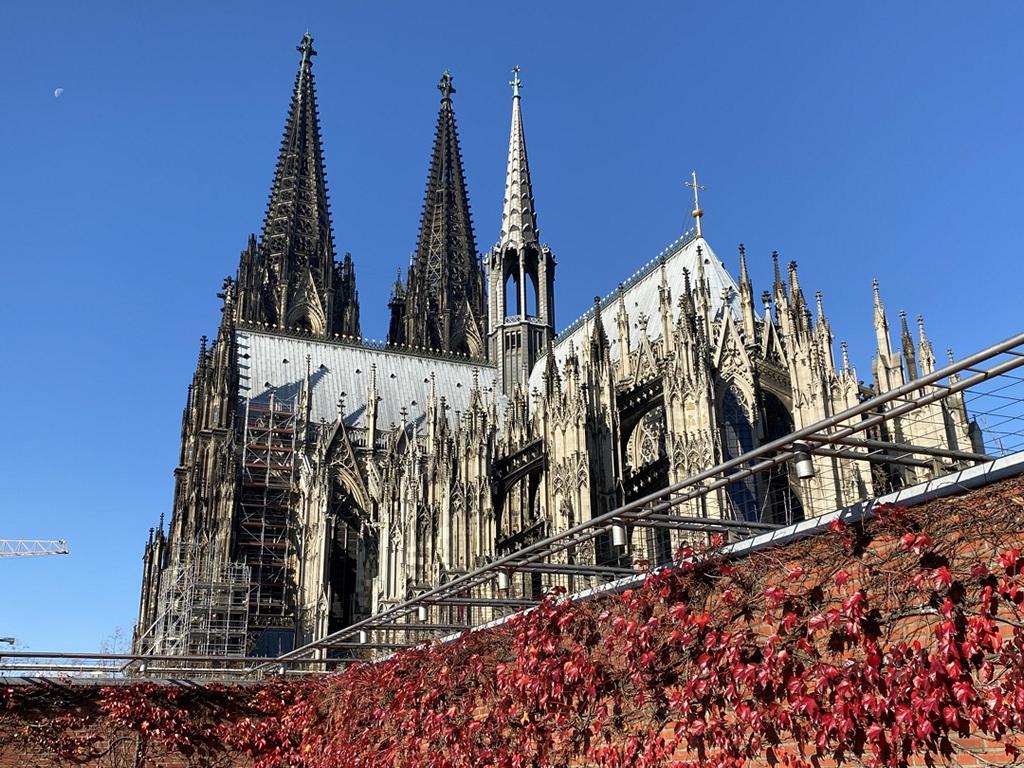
[(57, 93)]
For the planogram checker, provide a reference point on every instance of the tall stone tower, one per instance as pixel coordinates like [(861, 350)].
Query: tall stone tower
[(442, 305), (290, 279), (521, 270)]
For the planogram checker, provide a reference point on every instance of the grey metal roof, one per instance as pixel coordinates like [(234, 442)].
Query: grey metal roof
[(271, 362), (640, 293)]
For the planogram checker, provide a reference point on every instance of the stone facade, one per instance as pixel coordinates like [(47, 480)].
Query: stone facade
[(347, 476)]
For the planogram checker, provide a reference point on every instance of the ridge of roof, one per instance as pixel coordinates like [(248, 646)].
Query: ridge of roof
[(373, 345)]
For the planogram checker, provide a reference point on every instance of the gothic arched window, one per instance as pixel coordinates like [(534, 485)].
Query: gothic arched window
[(737, 439), (647, 443), (781, 504)]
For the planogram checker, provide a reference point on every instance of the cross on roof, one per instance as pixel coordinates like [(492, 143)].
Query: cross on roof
[(515, 82), (697, 212)]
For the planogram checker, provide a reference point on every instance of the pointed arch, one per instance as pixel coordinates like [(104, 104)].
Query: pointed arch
[(781, 504), (737, 435)]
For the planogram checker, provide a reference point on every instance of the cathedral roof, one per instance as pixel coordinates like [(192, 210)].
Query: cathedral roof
[(640, 296), (272, 362)]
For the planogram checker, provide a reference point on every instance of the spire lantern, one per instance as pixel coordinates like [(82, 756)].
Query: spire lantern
[(520, 329)]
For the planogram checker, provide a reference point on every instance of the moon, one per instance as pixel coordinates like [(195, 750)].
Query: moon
[(57, 93)]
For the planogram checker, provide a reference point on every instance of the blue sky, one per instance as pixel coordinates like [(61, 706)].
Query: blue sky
[(862, 140)]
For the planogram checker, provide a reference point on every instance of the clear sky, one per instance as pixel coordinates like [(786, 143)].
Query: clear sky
[(861, 139)]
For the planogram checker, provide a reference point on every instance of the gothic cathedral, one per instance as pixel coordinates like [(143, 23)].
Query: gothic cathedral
[(331, 476)]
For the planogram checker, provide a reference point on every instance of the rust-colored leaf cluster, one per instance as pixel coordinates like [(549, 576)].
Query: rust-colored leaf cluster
[(896, 641)]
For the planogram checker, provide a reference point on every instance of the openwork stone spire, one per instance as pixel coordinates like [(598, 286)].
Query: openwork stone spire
[(519, 218), (290, 278), (444, 305), (522, 321)]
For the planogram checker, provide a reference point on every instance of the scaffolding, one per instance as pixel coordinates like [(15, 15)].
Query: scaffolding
[(263, 536), (202, 607)]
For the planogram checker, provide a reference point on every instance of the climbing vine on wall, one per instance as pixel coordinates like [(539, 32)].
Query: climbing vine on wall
[(882, 643)]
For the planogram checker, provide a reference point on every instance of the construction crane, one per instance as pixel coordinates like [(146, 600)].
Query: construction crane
[(30, 547)]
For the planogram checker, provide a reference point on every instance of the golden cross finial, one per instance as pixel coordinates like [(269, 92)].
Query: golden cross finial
[(515, 82), (697, 212)]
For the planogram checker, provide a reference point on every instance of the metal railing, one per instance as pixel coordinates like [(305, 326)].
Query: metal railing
[(622, 542), (1001, 408)]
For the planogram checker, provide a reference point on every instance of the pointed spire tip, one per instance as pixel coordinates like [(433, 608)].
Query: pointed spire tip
[(515, 82), (305, 47), (445, 86)]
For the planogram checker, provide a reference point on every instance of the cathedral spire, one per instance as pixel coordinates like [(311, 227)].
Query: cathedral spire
[(444, 307), (297, 227), (521, 322), (519, 218), (290, 279)]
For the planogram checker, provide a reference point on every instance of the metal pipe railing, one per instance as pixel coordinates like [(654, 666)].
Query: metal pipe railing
[(770, 454)]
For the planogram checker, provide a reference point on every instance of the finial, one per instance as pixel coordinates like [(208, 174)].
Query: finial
[(515, 82), (846, 355), (777, 272), (697, 212), (920, 327), (227, 292), (949, 355), (305, 47), (445, 86), (903, 323)]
